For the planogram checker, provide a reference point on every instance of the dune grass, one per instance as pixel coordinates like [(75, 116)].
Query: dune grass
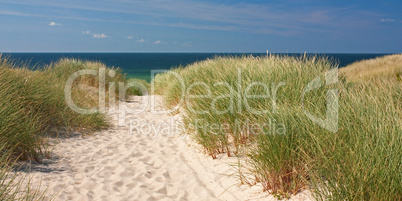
[(222, 107), (33, 107), (387, 67), (33, 103), (141, 87), (365, 161)]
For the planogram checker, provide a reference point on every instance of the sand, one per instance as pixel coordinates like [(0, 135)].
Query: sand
[(149, 160)]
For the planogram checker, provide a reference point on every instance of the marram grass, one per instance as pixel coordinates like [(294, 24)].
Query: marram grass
[(33, 106), (360, 161)]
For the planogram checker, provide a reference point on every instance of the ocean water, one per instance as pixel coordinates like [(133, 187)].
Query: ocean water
[(139, 65)]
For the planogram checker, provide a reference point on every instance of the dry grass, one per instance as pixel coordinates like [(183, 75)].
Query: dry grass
[(387, 67)]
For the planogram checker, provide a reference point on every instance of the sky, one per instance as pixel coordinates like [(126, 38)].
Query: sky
[(281, 26)]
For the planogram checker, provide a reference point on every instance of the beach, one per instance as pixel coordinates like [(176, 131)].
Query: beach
[(130, 163), (200, 100)]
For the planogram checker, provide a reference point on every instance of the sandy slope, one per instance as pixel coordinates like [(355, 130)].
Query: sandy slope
[(147, 161)]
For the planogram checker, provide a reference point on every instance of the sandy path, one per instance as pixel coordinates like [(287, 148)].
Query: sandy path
[(135, 163)]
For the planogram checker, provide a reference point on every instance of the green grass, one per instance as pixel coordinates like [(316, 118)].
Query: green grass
[(33, 107), (361, 161), (141, 87), (139, 75)]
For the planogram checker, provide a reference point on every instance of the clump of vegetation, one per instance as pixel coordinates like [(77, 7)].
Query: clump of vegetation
[(362, 161), (257, 107), (246, 101), (140, 87), (33, 106)]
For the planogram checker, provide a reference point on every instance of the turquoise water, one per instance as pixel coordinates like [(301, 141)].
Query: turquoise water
[(139, 65)]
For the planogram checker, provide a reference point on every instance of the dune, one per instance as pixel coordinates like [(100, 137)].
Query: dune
[(152, 162), (387, 67)]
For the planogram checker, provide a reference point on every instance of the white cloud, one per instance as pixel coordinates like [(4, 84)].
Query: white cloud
[(129, 37), (100, 36), (94, 35), (193, 14), (387, 20), (157, 42), (141, 40), (54, 24)]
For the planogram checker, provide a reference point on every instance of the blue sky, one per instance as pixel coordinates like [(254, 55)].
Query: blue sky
[(313, 26)]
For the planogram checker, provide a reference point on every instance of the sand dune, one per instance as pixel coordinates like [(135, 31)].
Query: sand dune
[(148, 161)]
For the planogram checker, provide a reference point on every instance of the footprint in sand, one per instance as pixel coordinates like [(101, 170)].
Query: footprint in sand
[(116, 165)]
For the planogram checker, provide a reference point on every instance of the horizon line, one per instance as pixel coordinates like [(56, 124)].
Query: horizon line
[(102, 52)]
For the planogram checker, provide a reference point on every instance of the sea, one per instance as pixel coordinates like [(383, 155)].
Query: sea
[(139, 65)]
